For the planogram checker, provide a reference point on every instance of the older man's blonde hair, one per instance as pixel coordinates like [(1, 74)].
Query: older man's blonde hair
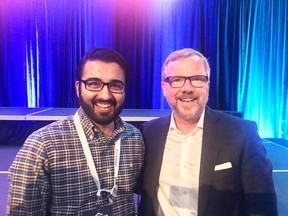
[(184, 53)]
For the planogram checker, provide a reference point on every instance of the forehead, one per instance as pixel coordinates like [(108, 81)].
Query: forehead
[(189, 66), (103, 70)]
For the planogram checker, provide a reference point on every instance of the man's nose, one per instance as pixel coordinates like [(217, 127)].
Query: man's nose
[(105, 93)]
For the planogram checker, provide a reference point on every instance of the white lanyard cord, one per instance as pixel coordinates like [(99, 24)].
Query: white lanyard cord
[(89, 157)]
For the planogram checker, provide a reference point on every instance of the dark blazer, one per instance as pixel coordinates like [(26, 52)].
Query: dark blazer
[(245, 189)]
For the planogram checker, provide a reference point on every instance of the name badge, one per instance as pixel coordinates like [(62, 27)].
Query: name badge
[(106, 210)]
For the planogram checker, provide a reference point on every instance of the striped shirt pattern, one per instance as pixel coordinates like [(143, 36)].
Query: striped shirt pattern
[(50, 175)]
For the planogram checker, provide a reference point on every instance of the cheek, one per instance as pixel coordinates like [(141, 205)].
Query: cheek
[(86, 96), (120, 99), (172, 95), (123, 98), (167, 92), (204, 94), (207, 91), (164, 90)]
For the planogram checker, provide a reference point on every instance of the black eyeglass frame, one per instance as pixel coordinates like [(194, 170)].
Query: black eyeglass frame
[(190, 78), (103, 84)]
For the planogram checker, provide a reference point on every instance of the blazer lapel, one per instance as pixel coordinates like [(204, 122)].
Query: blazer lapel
[(155, 140), (158, 148), (210, 143), (155, 133)]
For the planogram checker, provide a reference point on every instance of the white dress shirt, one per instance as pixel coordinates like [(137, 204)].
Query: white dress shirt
[(179, 175)]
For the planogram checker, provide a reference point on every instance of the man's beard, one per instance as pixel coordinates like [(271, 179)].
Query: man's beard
[(100, 118), (190, 113)]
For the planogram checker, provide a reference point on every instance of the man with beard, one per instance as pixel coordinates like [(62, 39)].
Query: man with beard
[(202, 162), (88, 163)]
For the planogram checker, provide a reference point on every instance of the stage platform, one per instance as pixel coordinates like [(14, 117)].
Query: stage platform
[(16, 123), (53, 114)]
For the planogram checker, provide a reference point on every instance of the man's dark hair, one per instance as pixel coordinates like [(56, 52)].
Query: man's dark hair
[(105, 55)]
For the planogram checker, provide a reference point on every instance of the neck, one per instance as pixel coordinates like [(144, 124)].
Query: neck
[(185, 126), (107, 130)]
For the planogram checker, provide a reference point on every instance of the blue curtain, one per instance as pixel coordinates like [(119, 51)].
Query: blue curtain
[(41, 42), (263, 72)]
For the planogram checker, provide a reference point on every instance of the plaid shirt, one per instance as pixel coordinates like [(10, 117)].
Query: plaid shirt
[(50, 175)]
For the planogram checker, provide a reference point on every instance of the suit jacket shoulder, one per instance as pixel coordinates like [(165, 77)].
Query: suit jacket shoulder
[(155, 125)]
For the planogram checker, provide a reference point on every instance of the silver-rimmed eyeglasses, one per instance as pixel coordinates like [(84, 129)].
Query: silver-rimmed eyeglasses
[(198, 81), (95, 85)]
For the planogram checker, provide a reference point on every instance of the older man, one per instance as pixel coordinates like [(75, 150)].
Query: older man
[(200, 161)]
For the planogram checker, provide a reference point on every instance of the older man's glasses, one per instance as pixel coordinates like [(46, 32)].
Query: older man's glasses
[(95, 85), (198, 81)]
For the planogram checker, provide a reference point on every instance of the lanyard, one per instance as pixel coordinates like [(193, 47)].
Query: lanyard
[(90, 161)]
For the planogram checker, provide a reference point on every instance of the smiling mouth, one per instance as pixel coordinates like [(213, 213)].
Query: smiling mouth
[(187, 99), (104, 105)]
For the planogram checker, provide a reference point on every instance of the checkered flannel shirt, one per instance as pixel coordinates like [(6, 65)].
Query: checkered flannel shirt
[(50, 175)]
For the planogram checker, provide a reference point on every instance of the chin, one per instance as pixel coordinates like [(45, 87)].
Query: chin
[(189, 114)]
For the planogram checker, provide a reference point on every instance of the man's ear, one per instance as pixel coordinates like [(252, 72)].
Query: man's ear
[(163, 88), (77, 86)]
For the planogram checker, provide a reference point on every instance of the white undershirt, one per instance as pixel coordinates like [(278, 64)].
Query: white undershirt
[(179, 175)]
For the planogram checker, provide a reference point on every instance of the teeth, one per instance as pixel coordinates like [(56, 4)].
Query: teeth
[(187, 100), (104, 105)]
